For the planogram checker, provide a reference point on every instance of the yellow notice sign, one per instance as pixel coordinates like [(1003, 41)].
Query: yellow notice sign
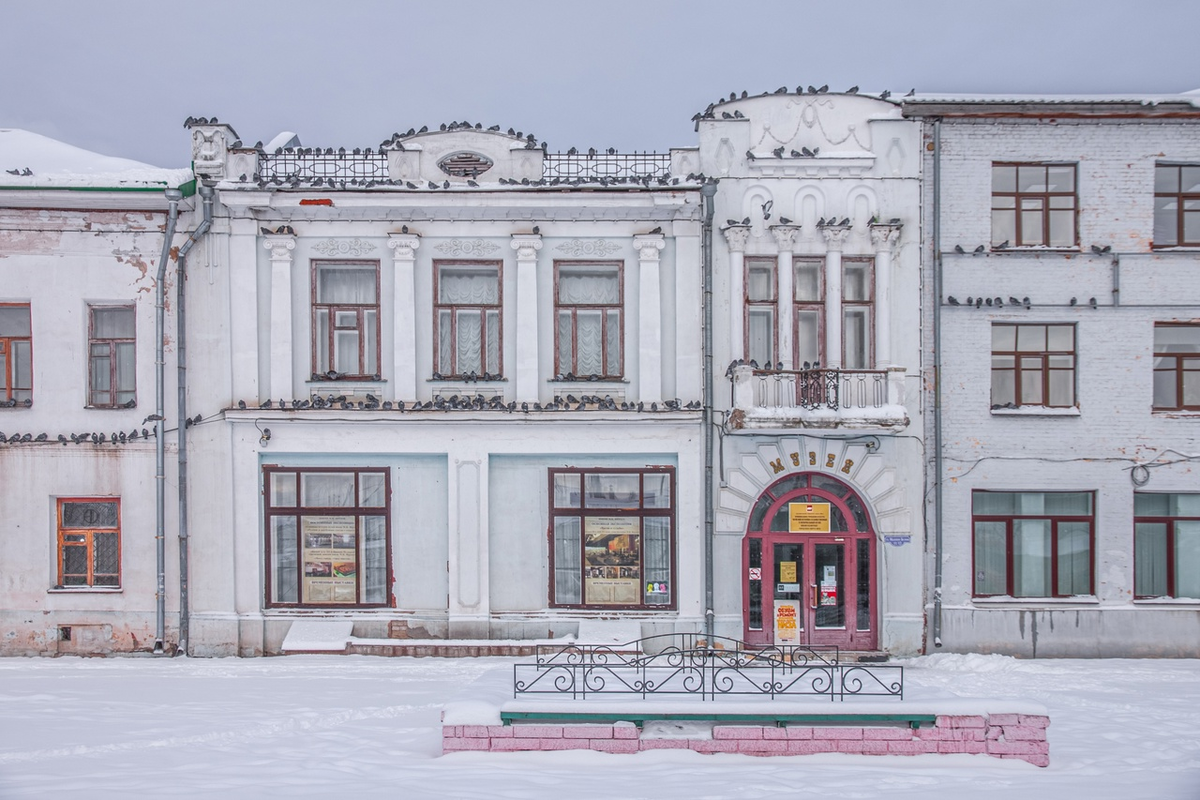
[(808, 517), (787, 571)]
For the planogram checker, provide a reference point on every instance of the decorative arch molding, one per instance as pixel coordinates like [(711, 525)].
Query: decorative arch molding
[(853, 209), (748, 475)]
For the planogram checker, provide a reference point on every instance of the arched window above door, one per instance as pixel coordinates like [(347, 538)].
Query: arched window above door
[(809, 487)]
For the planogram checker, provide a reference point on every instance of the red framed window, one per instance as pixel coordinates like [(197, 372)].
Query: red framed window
[(1034, 205), (612, 537), (16, 353), (760, 303), (1033, 544), (1176, 366), (112, 357), (345, 303), (89, 542), (1177, 205), (468, 319), (1033, 365), (588, 308), (1166, 545), (327, 536)]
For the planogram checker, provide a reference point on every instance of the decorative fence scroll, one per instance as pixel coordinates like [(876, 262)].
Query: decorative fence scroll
[(687, 664)]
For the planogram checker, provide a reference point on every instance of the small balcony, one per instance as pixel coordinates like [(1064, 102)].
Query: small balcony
[(849, 399)]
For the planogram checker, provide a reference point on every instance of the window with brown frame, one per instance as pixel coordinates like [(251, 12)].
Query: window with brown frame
[(327, 536), (612, 537), (89, 542), (588, 306), (1033, 365), (1177, 205), (808, 296), (467, 319), (760, 304), (112, 357), (345, 319), (1034, 205), (16, 354), (1166, 542), (858, 290), (1176, 366), (1033, 544)]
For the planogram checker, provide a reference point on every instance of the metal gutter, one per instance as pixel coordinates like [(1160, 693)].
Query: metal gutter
[(707, 193), (160, 477), (937, 381)]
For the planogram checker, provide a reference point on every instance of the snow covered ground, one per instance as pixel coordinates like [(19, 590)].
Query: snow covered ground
[(334, 726)]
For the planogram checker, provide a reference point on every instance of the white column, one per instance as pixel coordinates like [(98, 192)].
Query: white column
[(280, 247), (404, 305), (835, 237), (525, 372), (785, 240), (244, 312), (884, 237), (649, 248), (736, 236)]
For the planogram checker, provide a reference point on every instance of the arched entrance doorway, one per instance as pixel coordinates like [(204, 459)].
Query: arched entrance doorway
[(808, 566)]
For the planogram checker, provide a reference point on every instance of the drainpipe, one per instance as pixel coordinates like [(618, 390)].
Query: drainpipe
[(206, 192), (707, 192), (937, 381), (160, 477)]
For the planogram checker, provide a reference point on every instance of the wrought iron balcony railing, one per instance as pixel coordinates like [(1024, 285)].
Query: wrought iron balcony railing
[(309, 165), (826, 397)]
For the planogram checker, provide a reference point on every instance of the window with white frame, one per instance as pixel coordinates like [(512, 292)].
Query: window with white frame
[(1166, 544), (858, 288), (345, 303), (1033, 544), (588, 308), (760, 302), (808, 296), (468, 313)]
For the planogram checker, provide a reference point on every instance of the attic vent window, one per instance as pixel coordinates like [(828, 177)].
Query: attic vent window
[(465, 165)]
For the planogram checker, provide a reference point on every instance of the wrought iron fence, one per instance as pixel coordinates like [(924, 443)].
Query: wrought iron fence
[(606, 165), (309, 165), (820, 388), (690, 665)]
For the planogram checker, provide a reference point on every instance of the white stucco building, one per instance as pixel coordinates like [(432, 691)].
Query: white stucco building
[(1066, 234)]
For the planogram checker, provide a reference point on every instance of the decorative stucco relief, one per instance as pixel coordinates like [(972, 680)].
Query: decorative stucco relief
[(344, 247), (588, 247), (467, 247)]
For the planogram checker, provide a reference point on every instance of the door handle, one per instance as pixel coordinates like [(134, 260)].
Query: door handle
[(813, 604)]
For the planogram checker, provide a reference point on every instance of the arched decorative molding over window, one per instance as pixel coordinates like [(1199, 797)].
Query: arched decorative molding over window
[(465, 165), (748, 475)]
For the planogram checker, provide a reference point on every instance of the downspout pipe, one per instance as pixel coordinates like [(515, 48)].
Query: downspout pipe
[(707, 193), (937, 382), (160, 477), (206, 194)]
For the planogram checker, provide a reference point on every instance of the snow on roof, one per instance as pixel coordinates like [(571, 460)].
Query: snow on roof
[(30, 160), (1191, 98)]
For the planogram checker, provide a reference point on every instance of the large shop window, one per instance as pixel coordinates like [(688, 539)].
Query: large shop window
[(16, 354), (112, 357), (588, 332), (1033, 544), (467, 316), (1033, 365), (612, 537), (327, 536), (346, 319), (89, 542), (1166, 535), (1034, 205)]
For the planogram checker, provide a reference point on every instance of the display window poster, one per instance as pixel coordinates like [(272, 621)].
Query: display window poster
[(330, 555), (829, 587), (612, 560)]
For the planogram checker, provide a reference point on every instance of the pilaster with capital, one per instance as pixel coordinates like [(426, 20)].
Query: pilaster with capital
[(525, 374), (404, 333), (281, 248), (884, 236), (785, 241), (835, 239), (649, 249), (736, 237)]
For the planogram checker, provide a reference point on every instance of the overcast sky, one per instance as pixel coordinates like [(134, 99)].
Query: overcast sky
[(120, 77)]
